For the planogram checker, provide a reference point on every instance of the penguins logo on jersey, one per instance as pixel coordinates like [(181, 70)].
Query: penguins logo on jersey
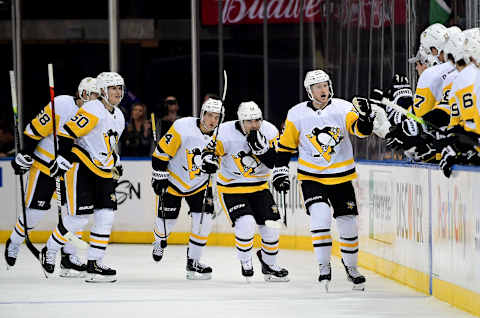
[(111, 139), (246, 163), (194, 161), (324, 140)]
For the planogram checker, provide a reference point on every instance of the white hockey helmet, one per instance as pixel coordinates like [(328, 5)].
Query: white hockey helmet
[(248, 111), (213, 106), (314, 77), (109, 79), (455, 46), (472, 45), (89, 85), (434, 36)]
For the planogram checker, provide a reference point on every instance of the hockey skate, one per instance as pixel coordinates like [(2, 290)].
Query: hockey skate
[(325, 275), (355, 277), (71, 266), (197, 270), (11, 252), (48, 259), (158, 250), (247, 269), (272, 273), (99, 273)]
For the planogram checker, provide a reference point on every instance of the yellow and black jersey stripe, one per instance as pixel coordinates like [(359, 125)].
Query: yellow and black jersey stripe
[(41, 125), (87, 161), (242, 187), (424, 101), (170, 142), (289, 140)]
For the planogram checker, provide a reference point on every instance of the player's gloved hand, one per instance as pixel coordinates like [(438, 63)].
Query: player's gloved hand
[(280, 179), (159, 181), (400, 91), (21, 163), (210, 162), (257, 142), (403, 136), (449, 158), (394, 116), (117, 172), (424, 152), (59, 167), (363, 108)]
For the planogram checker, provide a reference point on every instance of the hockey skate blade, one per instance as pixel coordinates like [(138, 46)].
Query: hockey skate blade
[(275, 279), (71, 273), (273, 224), (95, 278), (198, 276), (359, 287), (325, 284)]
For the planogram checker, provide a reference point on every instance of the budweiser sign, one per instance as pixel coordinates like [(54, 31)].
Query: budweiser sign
[(289, 11)]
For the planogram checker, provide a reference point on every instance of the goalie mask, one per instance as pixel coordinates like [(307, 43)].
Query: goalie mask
[(434, 36), (248, 111), (314, 77), (212, 106), (106, 80), (89, 86)]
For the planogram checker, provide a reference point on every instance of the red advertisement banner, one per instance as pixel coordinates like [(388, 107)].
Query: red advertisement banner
[(352, 12)]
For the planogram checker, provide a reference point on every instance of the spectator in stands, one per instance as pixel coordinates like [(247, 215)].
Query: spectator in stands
[(137, 140), (170, 114), (7, 143)]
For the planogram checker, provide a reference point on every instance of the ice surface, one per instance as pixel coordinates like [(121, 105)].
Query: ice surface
[(161, 290)]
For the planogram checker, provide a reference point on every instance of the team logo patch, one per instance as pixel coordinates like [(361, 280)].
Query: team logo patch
[(350, 205), (194, 161), (324, 141), (246, 163)]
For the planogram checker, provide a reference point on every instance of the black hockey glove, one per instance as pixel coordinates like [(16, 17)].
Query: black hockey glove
[(257, 142), (210, 162), (59, 167), (117, 172), (365, 115), (400, 92), (21, 163), (403, 136), (159, 181), (422, 153), (280, 179), (449, 158), (394, 116)]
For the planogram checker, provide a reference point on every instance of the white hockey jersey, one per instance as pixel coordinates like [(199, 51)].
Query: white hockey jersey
[(182, 147), (41, 128), (241, 171), (96, 131), (463, 98), (429, 88), (325, 153), (444, 103)]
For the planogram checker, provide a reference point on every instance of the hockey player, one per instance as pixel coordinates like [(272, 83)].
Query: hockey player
[(247, 151), (180, 171), (87, 159), (407, 133), (463, 132), (319, 130), (37, 158)]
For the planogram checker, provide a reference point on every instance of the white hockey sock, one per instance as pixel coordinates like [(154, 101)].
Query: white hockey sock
[(158, 228), (348, 230), (100, 233), (33, 217), (199, 234), (320, 224), (244, 232), (269, 244)]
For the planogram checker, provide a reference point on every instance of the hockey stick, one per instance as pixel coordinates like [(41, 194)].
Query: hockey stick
[(276, 224), (163, 243), (72, 238), (208, 196), (13, 88), (461, 137)]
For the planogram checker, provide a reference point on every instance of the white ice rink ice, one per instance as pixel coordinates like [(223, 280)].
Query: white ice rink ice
[(148, 289)]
